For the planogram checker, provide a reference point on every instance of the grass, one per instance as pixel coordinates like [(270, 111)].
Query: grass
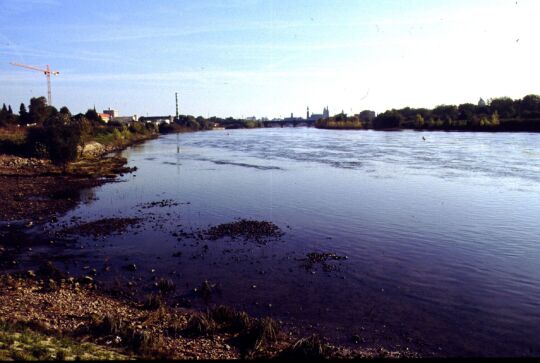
[(230, 319), (206, 290), (138, 341), (109, 325), (200, 324), (20, 342), (251, 335), (12, 140), (260, 334), (118, 137), (152, 302), (310, 348), (165, 286), (13, 134)]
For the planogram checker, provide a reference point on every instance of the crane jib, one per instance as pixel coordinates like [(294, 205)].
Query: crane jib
[(47, 72)]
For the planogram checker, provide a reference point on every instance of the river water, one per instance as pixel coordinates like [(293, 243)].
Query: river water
[(441, 235)]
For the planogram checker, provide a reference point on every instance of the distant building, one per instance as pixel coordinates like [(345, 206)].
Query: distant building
[(481, 102), (125, 119), (157, 119), (251, 118), (111, 113), (318, 116), (292, 118), (105, 117)]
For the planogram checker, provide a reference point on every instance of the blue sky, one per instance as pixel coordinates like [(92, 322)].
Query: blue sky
[(268, 58)]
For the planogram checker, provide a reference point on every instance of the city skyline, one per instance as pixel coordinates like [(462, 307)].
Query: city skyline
[(268, 59)]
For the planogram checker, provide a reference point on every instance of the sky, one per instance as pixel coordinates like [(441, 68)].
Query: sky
[(268, 58)]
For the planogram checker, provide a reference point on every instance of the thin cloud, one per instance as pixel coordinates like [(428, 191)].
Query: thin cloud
[(16, 7), (175, 76), (21, 54)]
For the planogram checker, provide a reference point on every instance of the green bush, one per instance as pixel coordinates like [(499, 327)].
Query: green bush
[(63, 137)]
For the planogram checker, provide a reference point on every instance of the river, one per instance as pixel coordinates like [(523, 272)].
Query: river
[(440, 230)]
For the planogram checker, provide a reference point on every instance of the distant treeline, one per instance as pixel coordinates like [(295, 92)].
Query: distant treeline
[(57, 134), (192, 123), (498, 114)]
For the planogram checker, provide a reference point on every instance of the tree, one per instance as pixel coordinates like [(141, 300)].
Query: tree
[(23, 115), (495, 119), (85, 129), (92, 115), (367, 116), (38, 110), (64, 110), (3, 116), (63, 137), (419, 121), (466, 111), (530, 106), (388, 120), (446, 113), (11, 119), (504, 106)]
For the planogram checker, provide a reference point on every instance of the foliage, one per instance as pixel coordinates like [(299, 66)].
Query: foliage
[(24, 117), (13, 140), (190, 123), (62, 139), (92, 115), (6, 116), (64, 110), (311, 348), (57, 135), (39, 111), (22, 341), (388, 120), (341, 122), (498, 114)]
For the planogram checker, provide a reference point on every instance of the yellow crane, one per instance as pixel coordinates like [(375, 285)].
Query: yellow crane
[(47, 71)]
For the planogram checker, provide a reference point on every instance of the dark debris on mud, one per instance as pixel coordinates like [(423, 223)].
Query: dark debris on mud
[(161, 204), (260, 231), (314, 258)]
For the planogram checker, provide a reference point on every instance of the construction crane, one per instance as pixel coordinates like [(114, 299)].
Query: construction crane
[(47, 73)]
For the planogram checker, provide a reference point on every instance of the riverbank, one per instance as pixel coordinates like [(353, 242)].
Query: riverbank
[(36, 190), (98, 325)]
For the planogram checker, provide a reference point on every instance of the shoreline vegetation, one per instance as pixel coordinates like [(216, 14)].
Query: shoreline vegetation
[(498, 114), (44, 166)]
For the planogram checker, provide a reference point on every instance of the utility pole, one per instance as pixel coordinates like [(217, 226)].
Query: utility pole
[(177, 137), (176, 95)]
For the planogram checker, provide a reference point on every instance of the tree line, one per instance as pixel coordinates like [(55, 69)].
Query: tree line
[(497, 114), (57, 134), (200, 123)]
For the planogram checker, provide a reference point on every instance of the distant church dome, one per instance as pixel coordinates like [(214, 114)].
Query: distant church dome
[(481, 102)]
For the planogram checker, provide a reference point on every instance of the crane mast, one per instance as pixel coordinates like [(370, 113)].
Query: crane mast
[(47, 71)]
